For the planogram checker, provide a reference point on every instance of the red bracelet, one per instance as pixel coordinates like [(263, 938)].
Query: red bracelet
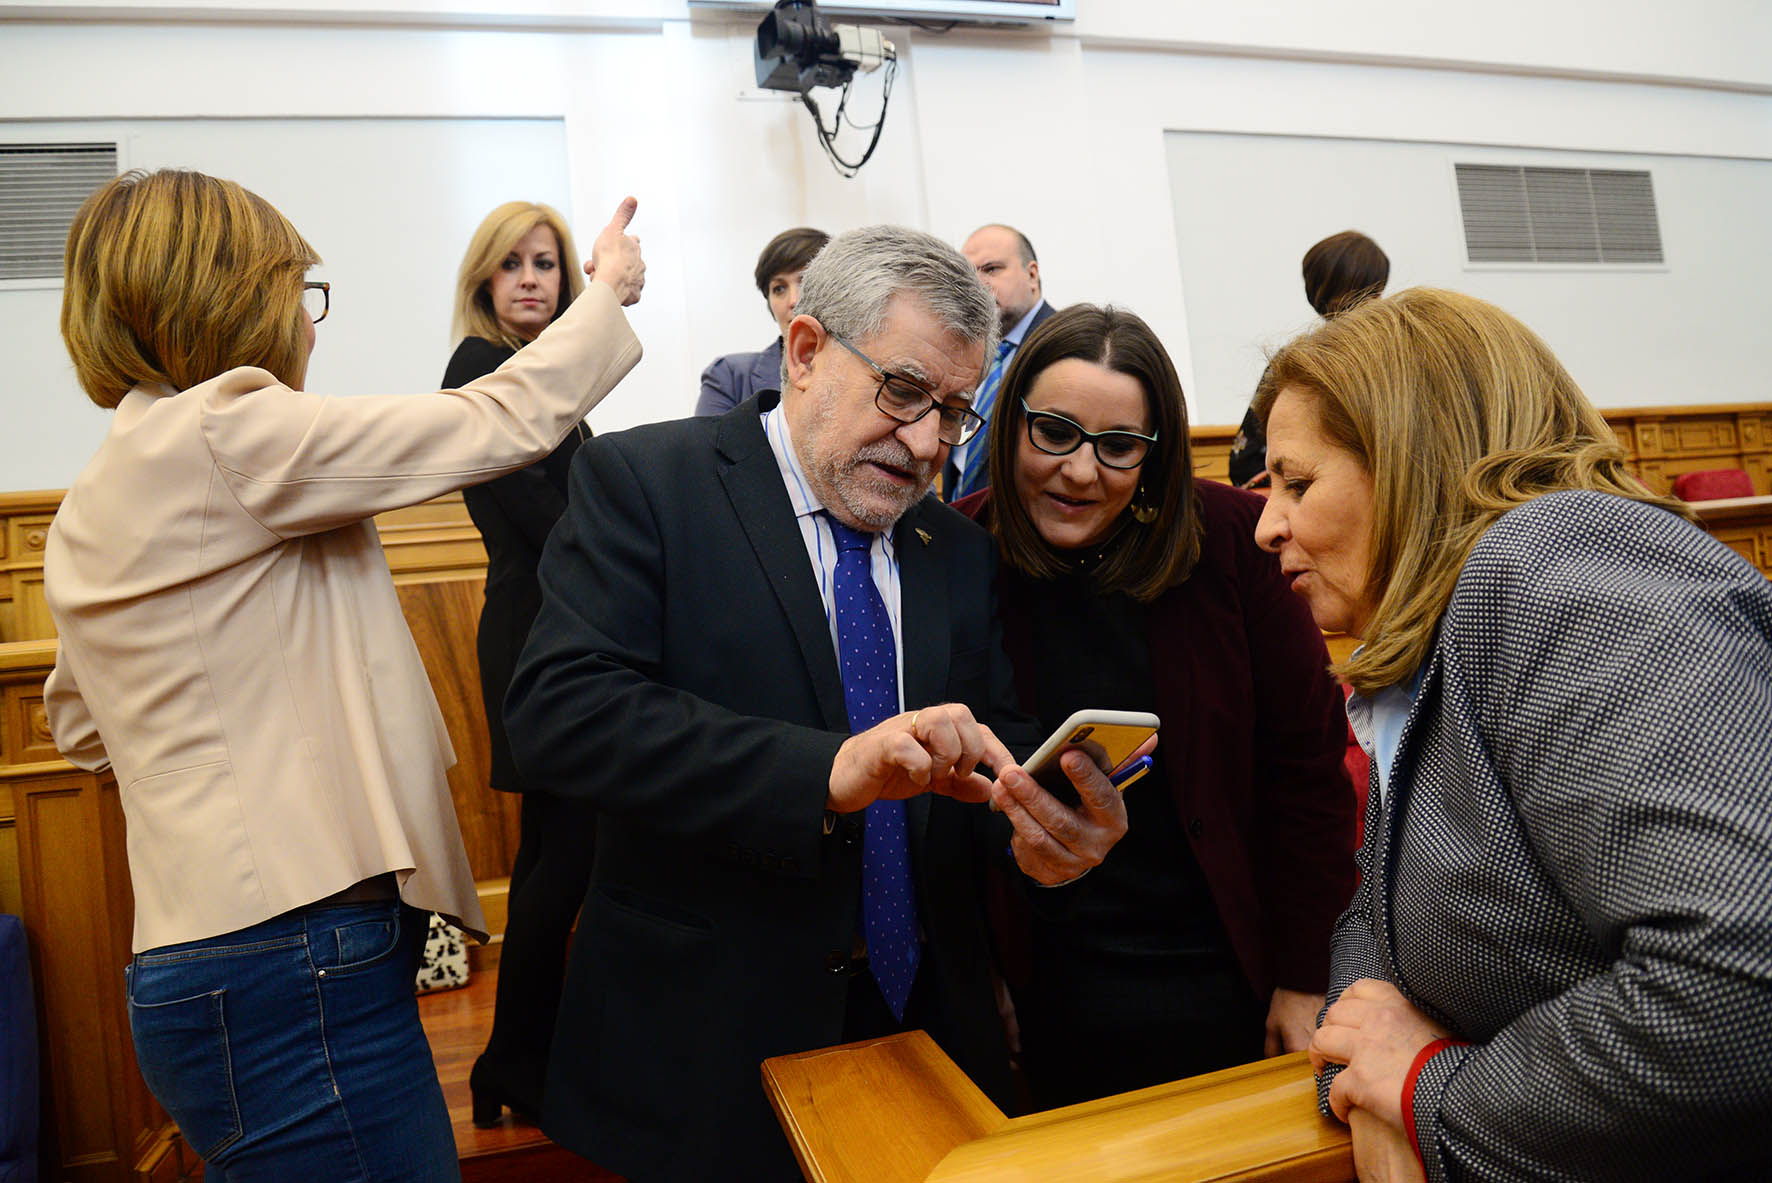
[(1421, 1058)]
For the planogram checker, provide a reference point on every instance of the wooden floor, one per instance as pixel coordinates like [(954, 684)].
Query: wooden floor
[(456, 1022)]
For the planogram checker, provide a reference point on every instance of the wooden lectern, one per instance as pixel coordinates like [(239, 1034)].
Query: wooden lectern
[(897, 1110)]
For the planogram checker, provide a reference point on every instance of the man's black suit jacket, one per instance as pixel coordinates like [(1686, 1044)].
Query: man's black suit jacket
[(681, 675)]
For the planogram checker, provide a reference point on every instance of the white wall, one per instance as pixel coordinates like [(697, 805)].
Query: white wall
[(1631, 336), (1061, 132), (391, 263)]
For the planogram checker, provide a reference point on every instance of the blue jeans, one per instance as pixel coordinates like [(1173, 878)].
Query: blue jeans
[(291, 1050)]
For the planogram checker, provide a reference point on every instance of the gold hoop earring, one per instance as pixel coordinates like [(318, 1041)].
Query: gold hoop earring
[(1142, 512)]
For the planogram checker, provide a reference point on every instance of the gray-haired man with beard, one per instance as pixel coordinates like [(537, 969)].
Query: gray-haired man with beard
[(766, 655)]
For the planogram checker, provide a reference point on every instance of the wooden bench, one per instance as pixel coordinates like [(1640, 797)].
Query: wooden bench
[(1661, 442)]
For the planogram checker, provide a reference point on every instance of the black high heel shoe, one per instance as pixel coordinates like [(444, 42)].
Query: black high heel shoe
[(492, 1095)]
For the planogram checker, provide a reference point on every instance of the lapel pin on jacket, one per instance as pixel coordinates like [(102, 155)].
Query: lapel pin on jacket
[(925, 535)]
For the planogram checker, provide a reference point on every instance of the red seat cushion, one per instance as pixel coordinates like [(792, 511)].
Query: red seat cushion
[(1713, 484)]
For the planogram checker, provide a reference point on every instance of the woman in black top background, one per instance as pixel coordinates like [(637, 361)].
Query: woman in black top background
[(1340, 272), (518, 274)]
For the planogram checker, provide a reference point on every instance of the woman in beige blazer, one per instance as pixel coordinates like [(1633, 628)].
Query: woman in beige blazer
[(232, 647)]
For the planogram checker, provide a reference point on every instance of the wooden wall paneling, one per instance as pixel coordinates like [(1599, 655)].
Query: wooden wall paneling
[(1664, 442), (12, 890), (1747, 542), (1700, 435), (166, 1159), (1759, 471), (1210, 449), (1659, 475), (78, 912), (435, 541), (443, 617), (11, 740), (22, 731), (1646, 437), (30, 610), (1756, 448), (73, 891), (24, 527), (8, 610)]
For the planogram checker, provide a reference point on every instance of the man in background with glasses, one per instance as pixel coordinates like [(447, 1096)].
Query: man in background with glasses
[(768, 657)]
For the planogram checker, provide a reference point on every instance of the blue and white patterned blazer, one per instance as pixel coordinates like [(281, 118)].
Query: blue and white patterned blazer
[(1572, 868)]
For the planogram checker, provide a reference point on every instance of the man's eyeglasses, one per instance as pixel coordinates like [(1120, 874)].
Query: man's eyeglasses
[(1055, 435), (316, 300), (901, 399)]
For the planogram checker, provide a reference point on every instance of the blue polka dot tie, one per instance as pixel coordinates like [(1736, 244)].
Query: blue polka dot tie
[(870, 692)]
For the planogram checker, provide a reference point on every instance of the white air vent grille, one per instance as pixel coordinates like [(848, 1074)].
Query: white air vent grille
[(41, 188), (1516, 214)]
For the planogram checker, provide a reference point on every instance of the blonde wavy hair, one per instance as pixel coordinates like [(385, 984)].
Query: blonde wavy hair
[(498, 235), (1459, 413), (175, 276)]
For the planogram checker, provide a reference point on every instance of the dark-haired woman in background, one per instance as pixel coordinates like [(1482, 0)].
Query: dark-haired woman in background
[(1203, 941), (515, 279), (1340, 272), (730, 380)]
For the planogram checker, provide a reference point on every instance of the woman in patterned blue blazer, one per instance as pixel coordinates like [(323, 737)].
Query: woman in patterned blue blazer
[(1559, 961)]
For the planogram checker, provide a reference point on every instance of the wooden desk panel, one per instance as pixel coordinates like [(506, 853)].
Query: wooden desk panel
[(897, 1110), (878, 1111), (1254, 1122)]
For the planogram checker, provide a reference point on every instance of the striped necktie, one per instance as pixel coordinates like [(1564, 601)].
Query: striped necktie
[(975, 475), (869, 661)]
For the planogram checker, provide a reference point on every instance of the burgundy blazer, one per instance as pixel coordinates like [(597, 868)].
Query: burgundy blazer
[(1254, 735)]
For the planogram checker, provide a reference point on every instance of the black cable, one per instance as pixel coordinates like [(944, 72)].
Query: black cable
[(827, 138), (911, 22)]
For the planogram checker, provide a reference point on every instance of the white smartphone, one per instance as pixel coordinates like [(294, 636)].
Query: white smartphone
[(1109, 737)]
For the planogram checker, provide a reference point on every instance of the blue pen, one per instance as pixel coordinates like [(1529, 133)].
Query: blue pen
[(1131, 773)]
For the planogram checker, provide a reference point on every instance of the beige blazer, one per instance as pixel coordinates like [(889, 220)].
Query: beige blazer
[(230, 640)]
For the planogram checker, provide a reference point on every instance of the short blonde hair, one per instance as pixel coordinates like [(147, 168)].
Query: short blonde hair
[(175, 277), (1459, 413), (498, 236)]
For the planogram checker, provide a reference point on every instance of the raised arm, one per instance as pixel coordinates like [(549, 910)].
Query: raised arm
[(300, 463)]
